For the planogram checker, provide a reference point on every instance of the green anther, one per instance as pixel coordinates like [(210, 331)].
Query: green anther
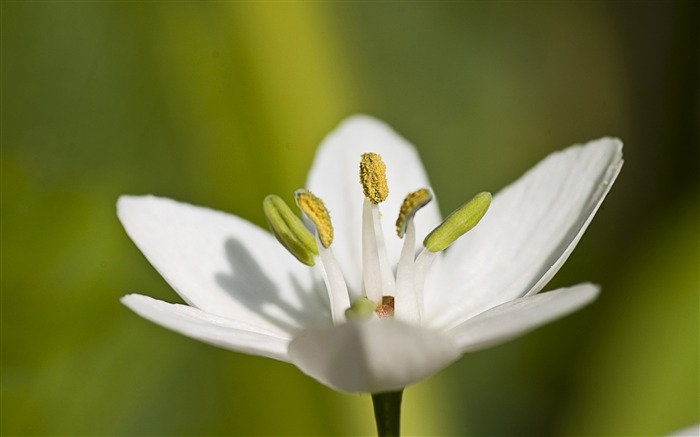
[(411, 204), (361, 309), (458, 223), (290, 230)]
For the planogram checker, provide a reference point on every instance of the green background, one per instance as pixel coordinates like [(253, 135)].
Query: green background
[(221, 103)]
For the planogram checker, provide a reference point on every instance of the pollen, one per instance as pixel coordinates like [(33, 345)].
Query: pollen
[(411, 204), (373, 177), (316, 211)]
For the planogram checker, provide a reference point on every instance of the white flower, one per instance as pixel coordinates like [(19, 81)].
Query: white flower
[(246, 293), (687, 432)]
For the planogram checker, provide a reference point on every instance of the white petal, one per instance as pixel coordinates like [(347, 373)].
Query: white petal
[(529, 231), (334, 177), (209, 328), (688, 432), (374, 356), (519, 316), (224, 265)]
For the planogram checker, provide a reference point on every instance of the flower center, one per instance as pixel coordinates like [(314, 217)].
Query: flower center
[(386, 309), (384, 295)]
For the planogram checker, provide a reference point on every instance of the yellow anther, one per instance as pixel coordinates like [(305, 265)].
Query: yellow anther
[(373, 177), (458, 223), (290, 230), (411, 204), (316, 211)]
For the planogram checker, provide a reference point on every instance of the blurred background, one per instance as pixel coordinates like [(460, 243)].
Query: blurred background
[(221, 103)]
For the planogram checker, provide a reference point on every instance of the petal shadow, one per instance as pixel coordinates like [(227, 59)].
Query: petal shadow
[(291, 308)]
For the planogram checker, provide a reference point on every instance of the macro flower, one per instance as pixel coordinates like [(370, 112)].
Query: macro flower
[(349, 295), (687, 432)]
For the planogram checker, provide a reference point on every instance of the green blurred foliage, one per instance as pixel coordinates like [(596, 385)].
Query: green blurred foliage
[(221, 103), (645, 357)]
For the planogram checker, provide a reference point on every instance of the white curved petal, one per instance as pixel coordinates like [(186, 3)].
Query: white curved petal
[(529, 231), (375, 356), (224, 265), (334, 177), (519, 316), (687, 432), (209, 328)]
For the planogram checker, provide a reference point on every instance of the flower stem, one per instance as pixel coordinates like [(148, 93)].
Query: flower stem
[(387, 413)]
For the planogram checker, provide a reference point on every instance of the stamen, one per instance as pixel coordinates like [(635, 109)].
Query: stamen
[(377, 274), (290, 230), (458, 223), (411, 204), (316, 211), (421, 268), (373, 177), (408, 293), (406, 300), (335, 283)]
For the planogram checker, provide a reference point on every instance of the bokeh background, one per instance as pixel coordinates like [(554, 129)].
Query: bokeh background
[(221, 103)]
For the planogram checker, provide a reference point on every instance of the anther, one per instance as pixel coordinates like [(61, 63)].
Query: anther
[(373, 177), (290, 230), (458, 223), (411, 204), (316, 211)]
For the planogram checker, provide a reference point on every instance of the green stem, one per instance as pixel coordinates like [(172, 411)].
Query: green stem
[(387, 413)]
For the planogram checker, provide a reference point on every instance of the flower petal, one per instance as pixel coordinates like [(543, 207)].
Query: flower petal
[(209, 328), (519, 316), (374, 356), (529, 231), (687, 432), (334, 177), (224, 265)]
